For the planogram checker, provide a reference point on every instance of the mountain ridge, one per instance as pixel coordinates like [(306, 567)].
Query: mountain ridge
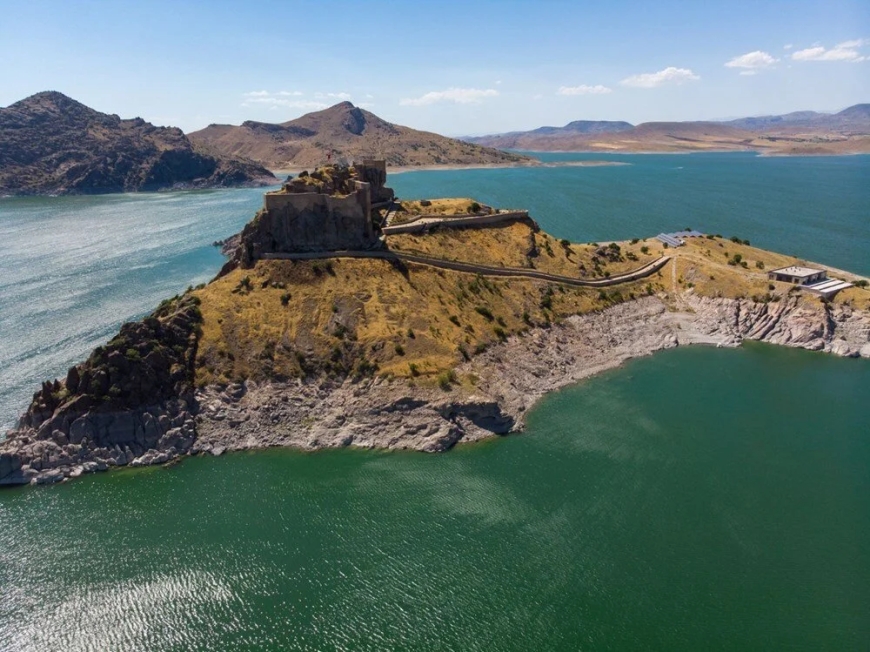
[(799, 132), (346, 132), (53, 144)]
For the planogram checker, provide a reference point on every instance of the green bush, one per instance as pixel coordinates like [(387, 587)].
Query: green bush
[(484, 312), (400, 350)]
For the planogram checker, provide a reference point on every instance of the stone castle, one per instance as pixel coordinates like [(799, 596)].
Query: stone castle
[(329, 209)]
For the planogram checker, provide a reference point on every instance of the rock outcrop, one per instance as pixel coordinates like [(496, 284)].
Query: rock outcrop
[(131, 402), (51, 144), (155, 415)]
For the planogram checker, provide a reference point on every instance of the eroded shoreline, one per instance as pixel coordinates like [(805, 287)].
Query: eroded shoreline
[(497, 388)]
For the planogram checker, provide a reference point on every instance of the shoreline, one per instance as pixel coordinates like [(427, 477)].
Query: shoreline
[(496, 389)]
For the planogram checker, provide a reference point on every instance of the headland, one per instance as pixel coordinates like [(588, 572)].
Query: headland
[(346, 317)]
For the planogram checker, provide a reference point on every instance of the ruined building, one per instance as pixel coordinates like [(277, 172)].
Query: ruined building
[(327, 210)]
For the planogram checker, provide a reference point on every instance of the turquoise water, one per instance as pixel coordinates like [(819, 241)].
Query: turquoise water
[(699, 499)]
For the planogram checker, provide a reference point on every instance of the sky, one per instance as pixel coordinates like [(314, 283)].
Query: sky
[(465, 67)]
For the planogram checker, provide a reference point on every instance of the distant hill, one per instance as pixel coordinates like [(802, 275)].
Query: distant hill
[(51, 144), (802, 132), (528, 139), (348, 133)]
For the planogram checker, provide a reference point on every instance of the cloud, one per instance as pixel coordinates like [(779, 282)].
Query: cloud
[(787, 46), (845, 51), (669, 75), (751, 62), (266, 99), (455, 95), (333, 96), (583, 89)]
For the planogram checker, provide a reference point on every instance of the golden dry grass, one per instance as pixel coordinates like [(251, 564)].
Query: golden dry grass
[(416, 321), (291, 318), (508, 245)]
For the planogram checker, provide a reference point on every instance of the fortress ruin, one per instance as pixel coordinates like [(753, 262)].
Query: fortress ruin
[(329, 209)]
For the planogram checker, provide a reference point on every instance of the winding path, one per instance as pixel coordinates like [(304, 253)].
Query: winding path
[(472, 268)]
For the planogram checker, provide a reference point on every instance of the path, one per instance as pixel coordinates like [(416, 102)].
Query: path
[(485, 270)]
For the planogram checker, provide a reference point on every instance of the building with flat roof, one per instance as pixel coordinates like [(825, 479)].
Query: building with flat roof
[(810, 279), (798, 275)]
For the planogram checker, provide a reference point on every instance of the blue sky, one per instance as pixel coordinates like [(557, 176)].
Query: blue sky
[(455, 67)]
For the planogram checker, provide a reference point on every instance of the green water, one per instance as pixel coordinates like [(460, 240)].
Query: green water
[(700, 499)]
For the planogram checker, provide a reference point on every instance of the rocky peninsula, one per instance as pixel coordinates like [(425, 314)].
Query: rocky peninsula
[(399, 342)]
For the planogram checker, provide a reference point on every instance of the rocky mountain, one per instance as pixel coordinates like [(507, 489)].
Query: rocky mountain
[(802, 132), (348, 133), (51, 144)]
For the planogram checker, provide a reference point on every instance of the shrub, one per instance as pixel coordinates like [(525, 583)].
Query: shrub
[(446, 379), (484, 312), (759, 264), (862, 283), (644, 250), (400, 350), (565, 243), (415, 371), (285, 298), (411, 335), (634, 241), (474, 207), (133, 355), (454, 319), (500, 333)]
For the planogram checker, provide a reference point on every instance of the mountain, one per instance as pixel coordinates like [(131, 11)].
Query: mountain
[(801, 132), (526, 139), (855, 117), (51, 144), (348, 133)]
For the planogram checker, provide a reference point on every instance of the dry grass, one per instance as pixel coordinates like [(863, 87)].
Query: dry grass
[(416, 321), (509, 245), (357, 316)]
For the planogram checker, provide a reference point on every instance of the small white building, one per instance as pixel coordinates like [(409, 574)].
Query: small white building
[(798, 275), (811, 279)]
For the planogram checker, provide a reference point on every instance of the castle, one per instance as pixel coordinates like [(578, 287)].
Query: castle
[(329, 209)]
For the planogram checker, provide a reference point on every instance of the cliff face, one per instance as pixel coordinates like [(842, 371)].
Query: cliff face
[(129, 397), (51, 144)]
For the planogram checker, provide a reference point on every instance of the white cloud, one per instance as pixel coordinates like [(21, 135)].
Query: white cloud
[(456, 95), (787, 46), (752, 61), (669, 75), (845, 51), (333, 96), (583, 89), (266, 99), (748, 73)]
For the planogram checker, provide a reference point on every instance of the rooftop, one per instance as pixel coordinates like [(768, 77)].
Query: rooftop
[(795, 270)]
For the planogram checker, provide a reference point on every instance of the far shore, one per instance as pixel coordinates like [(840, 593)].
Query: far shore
[(478, 166)]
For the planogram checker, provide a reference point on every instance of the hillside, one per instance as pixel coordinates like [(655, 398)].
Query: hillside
[(51, 144), (348, 133), (434, 335), (528, 140), (803, 132)]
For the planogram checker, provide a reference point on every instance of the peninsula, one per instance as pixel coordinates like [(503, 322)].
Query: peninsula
[(52, 145), (345, 317)]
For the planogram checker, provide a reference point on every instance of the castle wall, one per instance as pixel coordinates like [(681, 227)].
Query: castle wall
[(311, 222)]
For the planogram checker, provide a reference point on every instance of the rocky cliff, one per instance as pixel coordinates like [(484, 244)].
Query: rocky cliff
[(51, 144)]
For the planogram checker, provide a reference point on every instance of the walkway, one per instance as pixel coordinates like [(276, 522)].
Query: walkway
[(484, 270)]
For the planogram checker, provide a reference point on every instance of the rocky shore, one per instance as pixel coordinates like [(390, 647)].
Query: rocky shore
[(496, 389)]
